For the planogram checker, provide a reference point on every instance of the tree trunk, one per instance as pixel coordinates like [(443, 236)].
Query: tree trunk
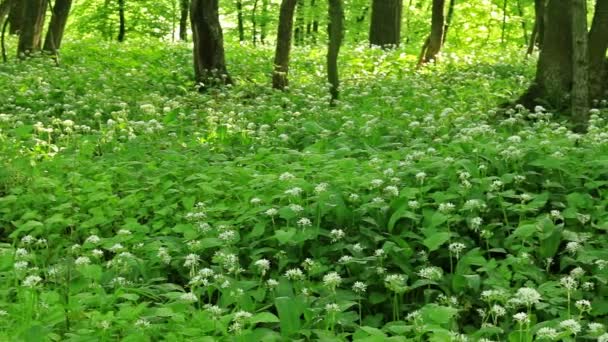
[(433, 43), (299, 30), (580, 71), (385, 25), (313, 23), (209, 60), (254, 23), (553, 81), (121, 18), (239, 17), (504, 22), (16, 16), (538, 32), (30, 38), (336, 34), (448, 21), (264, 22), (598, 43), (281, 57), (183, 19), (54, 35), (524, 30), (5, 7)]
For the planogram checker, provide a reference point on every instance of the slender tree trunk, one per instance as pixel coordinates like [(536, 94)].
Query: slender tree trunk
[(209, 60), (240, 24), (54, 35), (30, 38), (433, 43), (336, 34), (254, 23), (448, 20), (313, 23), (121, 19), (408, 12), (183, 19), (580, 71), (16, 16), (264, 22), (598, 43), (385, 25), (299, 30), (5, 8), (524, 30), (504, 22), (538, 32), (281, 58)]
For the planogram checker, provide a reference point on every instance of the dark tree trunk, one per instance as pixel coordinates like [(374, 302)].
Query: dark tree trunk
[(54, 35), (299, 30), (16, 16), (239, 17), (336, 33), (448, 20), (538, 32), (580, 71), (598, 43), (385, 25), (183, 19), (254, 23), (553, 81), (281, 57), (504, 22), (264, 22), (209, 60), (313, 24), (433, 43), (30, 38), (121, 19)]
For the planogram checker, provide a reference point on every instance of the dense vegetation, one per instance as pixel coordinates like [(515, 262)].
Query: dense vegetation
[(417, 207)]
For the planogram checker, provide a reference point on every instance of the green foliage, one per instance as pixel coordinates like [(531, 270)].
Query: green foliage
[(134, 208)]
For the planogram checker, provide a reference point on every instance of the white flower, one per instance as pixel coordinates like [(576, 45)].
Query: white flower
[(192, 260), (521, 318), (294, 274), (546, 332), (321, 187), (376, 183), (189, 297), (263, 265), (568, 282), (242, 315), (142, 323), (528, 296), (420, 176), (571, 325), (255, 200), (272, 283), (603, 338), (413, 204), (583, 305), (31, 281), (336, 234), (446, 207), (295, 191), (83, 260), (431, 273), (392, 190), (595, 328), (332, 280), (359, 287), (304, 222), (572, 247), (3, 313), (271, 212), (286, 176), (456, 248), (357, 248), (395, 283), (332, 308), (345, 259), (353, 197), (296, 208), (498, 310), (228, 235)]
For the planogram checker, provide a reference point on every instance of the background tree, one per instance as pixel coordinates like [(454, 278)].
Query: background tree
[(15, 17), (30, 37), (598, 43), (538, 31), (281, 57), (580, 70), (184, 6), (59, 18), (336, 33), (209, 59), (121, 20), (240, 23), (433, 43), (385, 27)]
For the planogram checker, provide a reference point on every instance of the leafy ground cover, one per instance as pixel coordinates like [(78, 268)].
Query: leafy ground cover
[(134, 209)]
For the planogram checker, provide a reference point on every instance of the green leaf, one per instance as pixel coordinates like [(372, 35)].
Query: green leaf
[(289, 313), (433, 313), (284, 236), (434, 241), (264, 317)]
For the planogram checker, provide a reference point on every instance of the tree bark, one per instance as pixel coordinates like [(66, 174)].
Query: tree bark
[(433, 43), (30, 38), (598, 43), (54, 35), (580, 71), (239, 17), (553, 81), (254, 23), (209, 60), (448, 21), (183, 19), (313, 24), (336, 34), (16, 16), (504, 22), (538, 32), (264, 22), (385, 25), (299, 30), (281, 58), (121, 19)]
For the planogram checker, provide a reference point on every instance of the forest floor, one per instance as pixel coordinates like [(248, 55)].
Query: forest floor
[(134, 208)]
